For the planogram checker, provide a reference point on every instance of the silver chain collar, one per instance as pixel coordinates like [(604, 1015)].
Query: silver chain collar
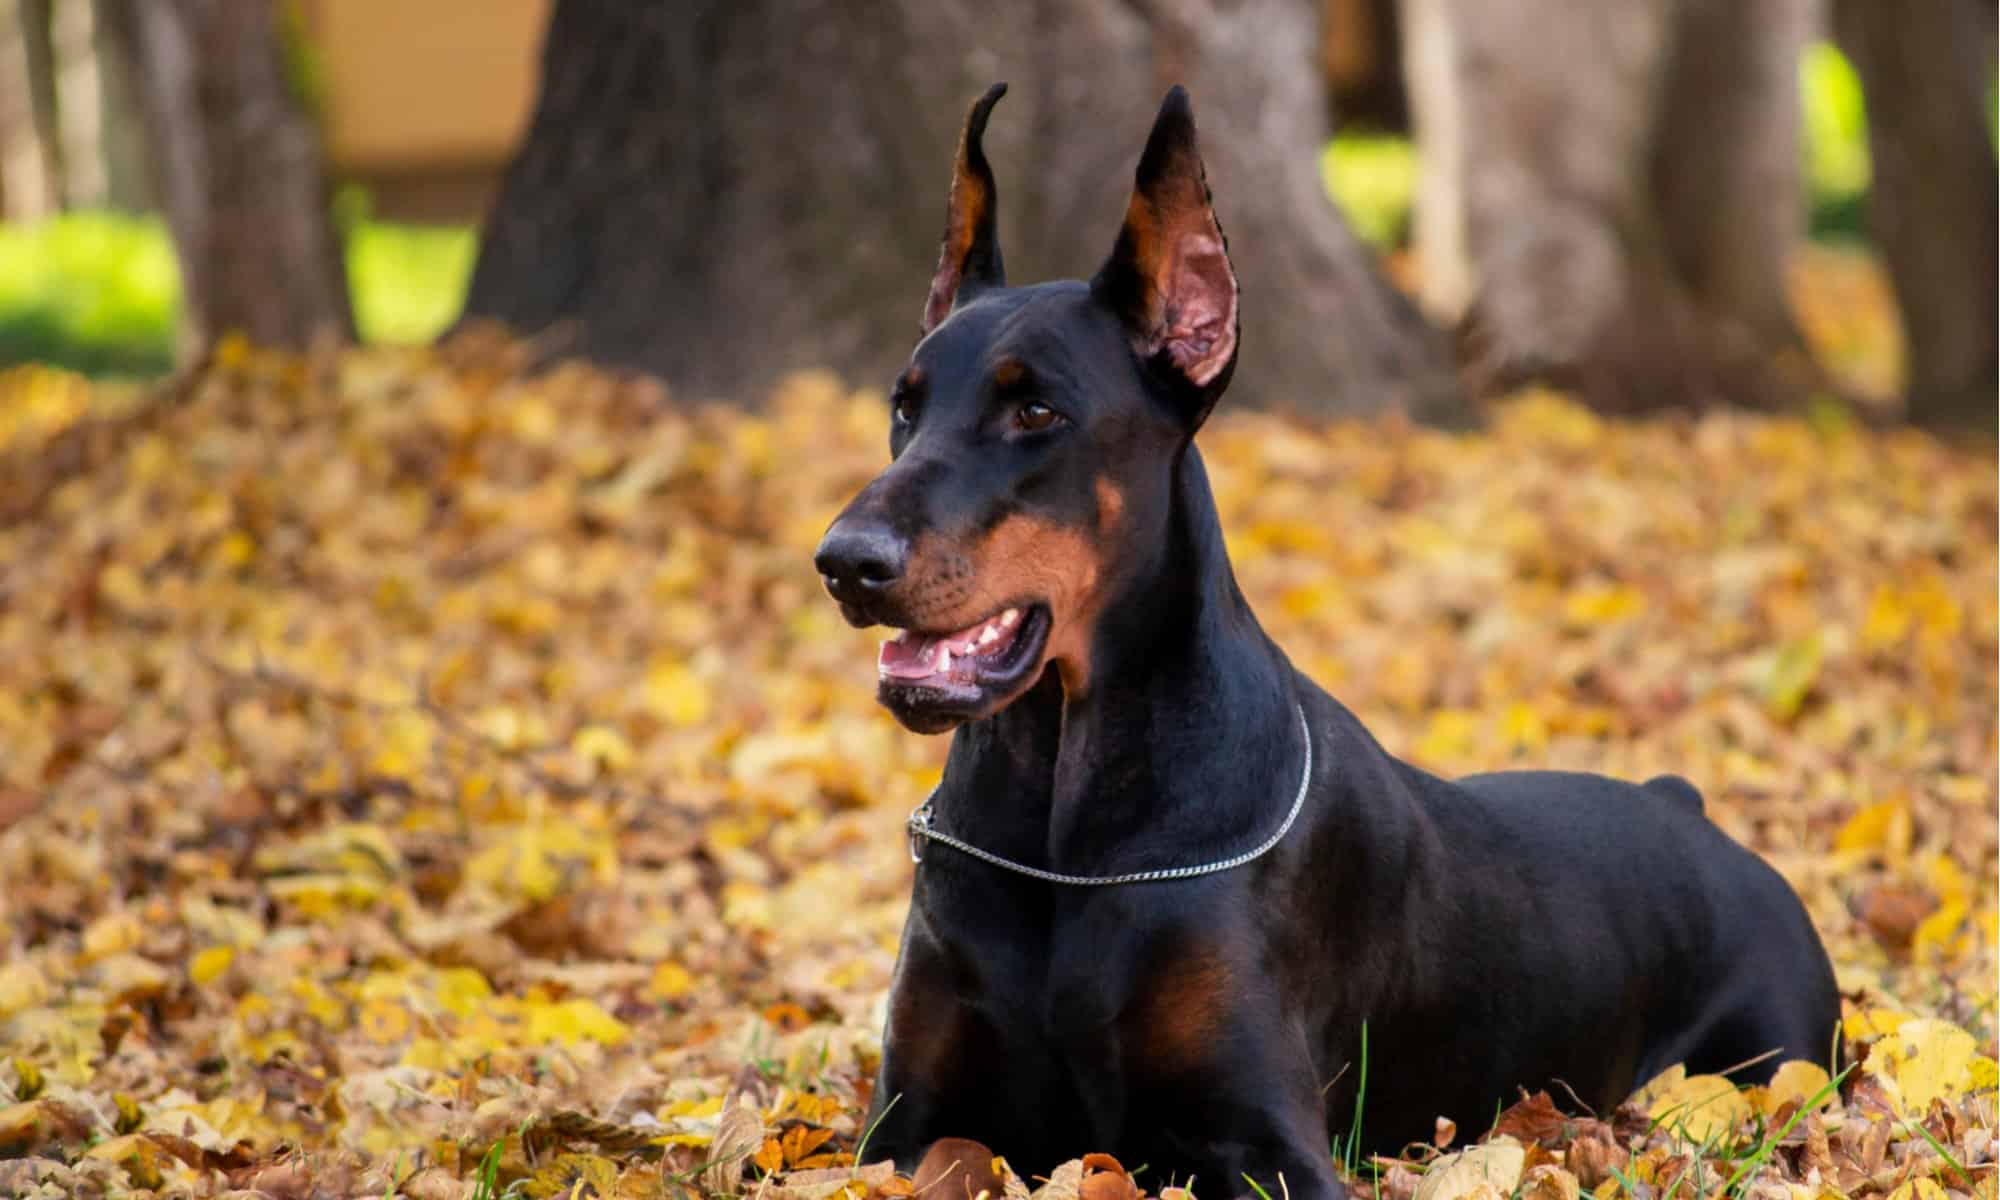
[(920, 829)]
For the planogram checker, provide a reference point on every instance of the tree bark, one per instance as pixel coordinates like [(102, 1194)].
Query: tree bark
[(1924, 70), (715, 192), (1610, 191), (238, 170)]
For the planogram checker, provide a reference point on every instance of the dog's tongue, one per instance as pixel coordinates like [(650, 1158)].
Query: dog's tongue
[(911, 655)]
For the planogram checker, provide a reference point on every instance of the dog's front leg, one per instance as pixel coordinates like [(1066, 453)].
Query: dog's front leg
[(946, 1069), (1243, 1115), (1274, 1163)]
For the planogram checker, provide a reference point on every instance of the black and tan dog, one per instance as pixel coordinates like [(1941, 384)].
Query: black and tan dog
[(1046, 541)]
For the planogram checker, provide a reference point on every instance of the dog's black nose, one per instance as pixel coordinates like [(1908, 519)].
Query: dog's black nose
[(859, 560)]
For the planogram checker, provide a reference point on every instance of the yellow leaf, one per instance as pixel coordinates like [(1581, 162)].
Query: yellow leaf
[(602, 746), (113, 933), (1884, 827), (1791, 675), (1873, 1023), (1700, 1107), (208, 965), (574, 1177), (1449, 735), (1888, 620), (22, 986), (1934, 933), (405, 744), (1921, 1188), (1796, 1081), (384, 1019), (1947, 880), (574, 1020), (676, 695), (1984, 1073), (1924, 1060), (1603, 605), (1521, 726), (670, 981), (462, 990)]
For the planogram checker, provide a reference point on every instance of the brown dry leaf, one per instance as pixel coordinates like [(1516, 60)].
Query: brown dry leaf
[(738, 1136), (1596, 1159), (1549, 1182), (1445, 1134), (959, 1169), (1532, 1119), (1104, 1178)]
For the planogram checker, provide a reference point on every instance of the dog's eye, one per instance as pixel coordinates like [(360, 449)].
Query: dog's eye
[(1035, 416), (905, 406)]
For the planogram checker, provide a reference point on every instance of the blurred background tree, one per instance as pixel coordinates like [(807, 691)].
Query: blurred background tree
[(1611, 197), (236, 167), (796, 222)]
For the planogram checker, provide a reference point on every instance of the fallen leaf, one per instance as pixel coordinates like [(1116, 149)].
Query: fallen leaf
[(1493, 1165)]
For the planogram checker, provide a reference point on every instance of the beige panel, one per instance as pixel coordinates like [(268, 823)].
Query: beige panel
[(417, 84)]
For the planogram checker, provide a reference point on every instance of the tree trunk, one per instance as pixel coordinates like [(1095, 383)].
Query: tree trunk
[(1925, 69), (1610, 191), (238, 171), (717, 191), (27, 175)]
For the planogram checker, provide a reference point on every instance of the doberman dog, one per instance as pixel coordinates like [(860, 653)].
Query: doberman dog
[(1168, 887)]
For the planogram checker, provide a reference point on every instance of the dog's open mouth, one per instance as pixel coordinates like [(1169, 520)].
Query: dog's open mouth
[(938, 679)]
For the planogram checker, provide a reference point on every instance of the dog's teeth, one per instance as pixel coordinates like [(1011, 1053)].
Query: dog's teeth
[(1010, 616), (989, 635), (943, 659)]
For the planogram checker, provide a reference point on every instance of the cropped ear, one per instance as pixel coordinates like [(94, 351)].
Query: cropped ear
[(1169, 278), (969, 263)]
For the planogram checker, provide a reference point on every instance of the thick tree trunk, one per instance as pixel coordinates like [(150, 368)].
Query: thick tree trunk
[(1925, 69), (716, 191), (238, 170), (1610, 191)]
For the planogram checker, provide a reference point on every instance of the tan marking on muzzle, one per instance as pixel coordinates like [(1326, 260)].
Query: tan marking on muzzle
[(1023, 557)]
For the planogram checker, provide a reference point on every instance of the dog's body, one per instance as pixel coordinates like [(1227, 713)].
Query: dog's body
[(1124, 712)]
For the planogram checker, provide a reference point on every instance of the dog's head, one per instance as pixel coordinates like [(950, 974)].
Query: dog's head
[(1034, 436)]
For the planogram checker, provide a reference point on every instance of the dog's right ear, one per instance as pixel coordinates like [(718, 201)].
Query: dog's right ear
[(1168, 278), (970, 260)]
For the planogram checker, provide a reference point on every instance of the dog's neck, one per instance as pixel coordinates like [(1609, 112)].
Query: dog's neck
[(1185, 747)]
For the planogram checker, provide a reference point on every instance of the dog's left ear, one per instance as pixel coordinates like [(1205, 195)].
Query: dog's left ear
[(1169, 277), (969, 261)]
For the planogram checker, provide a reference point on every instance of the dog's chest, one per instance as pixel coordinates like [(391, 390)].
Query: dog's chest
[(1079, 969)]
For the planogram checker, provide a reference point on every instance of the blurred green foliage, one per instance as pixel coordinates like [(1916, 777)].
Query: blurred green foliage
[(1373, 177), (100, 292), (408, 281), (1836, 142), (93, 291)]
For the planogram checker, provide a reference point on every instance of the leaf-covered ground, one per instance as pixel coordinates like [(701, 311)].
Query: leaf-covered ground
[(424, 776)]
